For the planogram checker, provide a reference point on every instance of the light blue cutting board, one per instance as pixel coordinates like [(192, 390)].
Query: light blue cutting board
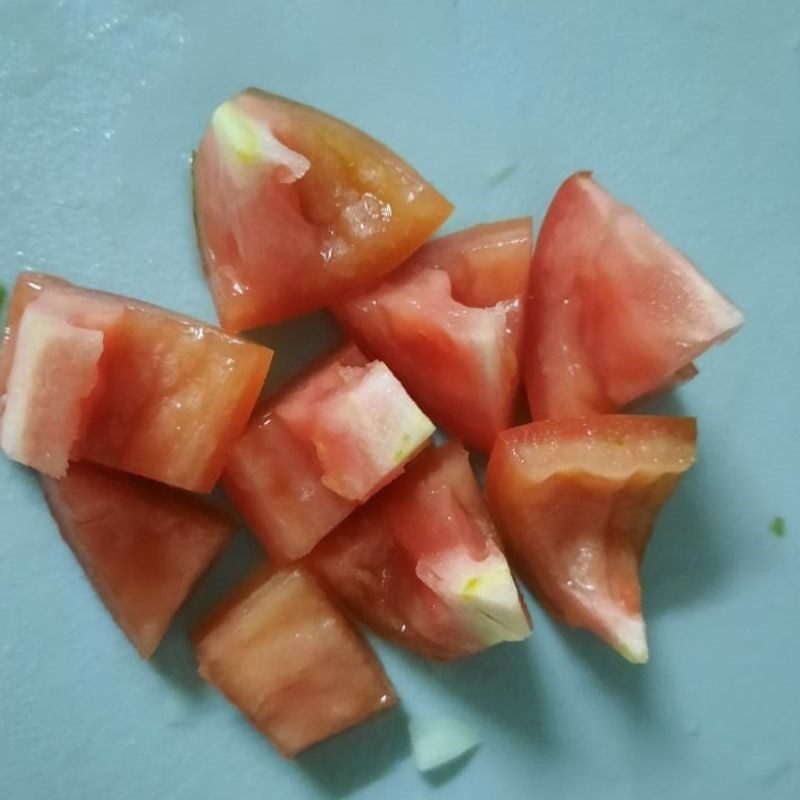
[(689, 111)]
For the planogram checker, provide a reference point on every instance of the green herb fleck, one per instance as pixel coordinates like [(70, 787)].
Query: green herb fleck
[(778, 526), (2, 296)]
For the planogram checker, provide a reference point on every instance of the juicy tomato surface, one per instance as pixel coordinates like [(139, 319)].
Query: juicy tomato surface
[(322, 446), (449, 324), (281, 652), (142, 545), (132, 386), (421, 563), (296, 210), (576, 500), (615, 313)]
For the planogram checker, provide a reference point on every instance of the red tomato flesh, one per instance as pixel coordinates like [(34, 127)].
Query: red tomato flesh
[(576, 500), (616, 313), (142, 545), (421, 563), (91, 376), (280, 651), (321, 447), (449, 324), (296, 210)]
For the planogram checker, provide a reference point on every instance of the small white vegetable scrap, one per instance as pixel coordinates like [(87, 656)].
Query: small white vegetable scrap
[(437, 741)]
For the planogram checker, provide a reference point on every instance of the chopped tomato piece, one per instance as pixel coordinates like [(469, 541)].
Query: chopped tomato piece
[(275, 481), (280, 651), (55, 373), (449, 325), (296, 210), (421, 563), (322, 446), (616, 313), (92, 376), (576, 500), (142, 545)]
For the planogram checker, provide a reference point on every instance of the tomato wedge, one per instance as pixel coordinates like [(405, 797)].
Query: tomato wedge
[(142, 545), (422, 565), (321, 447), (296, 210), (449, 325), (576, 500), (86, 375), (280, 651), (616, 313)]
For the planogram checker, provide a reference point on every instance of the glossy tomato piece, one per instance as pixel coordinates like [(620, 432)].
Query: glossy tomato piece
[(449, 325), (142, 545), (321, 447), (281, 652), (421, 563), (616, 313), (86, 375), (55, 374), (296, 210), (576, 500)]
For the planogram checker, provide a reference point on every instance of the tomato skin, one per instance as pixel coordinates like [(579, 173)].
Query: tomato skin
[(277, 242), (310, 456), (487, 263), (280, 651), (400, 563), (615, 313), (576, 500), (173, 393), (142, 545), (449, 324)]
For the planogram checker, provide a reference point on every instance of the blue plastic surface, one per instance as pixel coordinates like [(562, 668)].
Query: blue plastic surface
[(690, 112)]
